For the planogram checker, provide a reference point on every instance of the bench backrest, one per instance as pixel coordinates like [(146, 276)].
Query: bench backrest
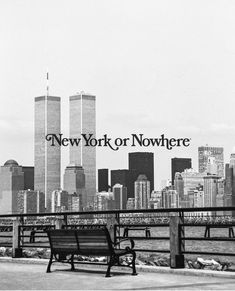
[(96, 242), (63, 240)]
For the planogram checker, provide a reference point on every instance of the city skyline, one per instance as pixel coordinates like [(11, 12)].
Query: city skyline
[(162, 68)]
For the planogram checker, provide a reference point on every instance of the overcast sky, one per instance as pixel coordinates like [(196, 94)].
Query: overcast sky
[(155, 67)]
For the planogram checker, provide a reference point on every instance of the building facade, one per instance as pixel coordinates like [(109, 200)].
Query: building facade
[(119, 196)]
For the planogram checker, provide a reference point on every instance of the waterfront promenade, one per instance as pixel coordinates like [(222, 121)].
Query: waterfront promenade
[(31, 275)]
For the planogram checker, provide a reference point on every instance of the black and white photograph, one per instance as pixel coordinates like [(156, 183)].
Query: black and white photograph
[(117, 152)]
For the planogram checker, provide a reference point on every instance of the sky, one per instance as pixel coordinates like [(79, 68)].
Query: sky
[(155, 67)]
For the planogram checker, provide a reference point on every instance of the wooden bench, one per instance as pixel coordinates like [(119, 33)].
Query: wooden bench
[(146, 229), (87, 242), (208, 228)]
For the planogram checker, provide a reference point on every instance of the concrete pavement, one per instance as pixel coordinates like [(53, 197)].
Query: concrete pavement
[(29, 276)]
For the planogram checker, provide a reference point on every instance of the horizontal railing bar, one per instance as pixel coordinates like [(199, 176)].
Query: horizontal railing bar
[(144, 225), (208, 224), (152, 251), (144, 238), (208, 253), (159, 210), (209, 238)]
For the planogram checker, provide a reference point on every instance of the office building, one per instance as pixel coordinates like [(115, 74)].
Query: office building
[(141, 163), (120, 196), (179, 165), (228, 185), (30, 202), (121, 176), (206, 152), (179, 185), (11, 182), (170, 198), (46, 157), (210, 190), (28, 178), (142, 192), (83, 121), (103, 180), (74, 184)]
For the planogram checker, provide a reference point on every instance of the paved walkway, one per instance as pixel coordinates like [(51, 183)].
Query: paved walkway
[(18, 276)]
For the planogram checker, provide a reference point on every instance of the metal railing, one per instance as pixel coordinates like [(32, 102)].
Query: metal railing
[(21, 231)]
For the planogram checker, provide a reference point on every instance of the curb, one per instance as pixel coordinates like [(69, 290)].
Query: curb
[(142, 268)]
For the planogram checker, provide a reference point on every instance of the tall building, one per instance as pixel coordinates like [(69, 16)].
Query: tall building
[(141, 163), (179, 165), (179, 185), (170, 198), (46, 157), (28, 178), (210, 190), (74, 184), (120, 196), (103, 180), (83, 121), (121, 176), (206, 152), (142, 192), (228, 185), (11, 182)]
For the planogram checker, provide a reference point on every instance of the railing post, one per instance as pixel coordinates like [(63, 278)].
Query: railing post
[(176, 256), (16, 250), (59, 223)]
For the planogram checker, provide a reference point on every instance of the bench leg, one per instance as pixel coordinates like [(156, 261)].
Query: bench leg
[(72, 264), (111, 260), (133, 264), (49, 264)]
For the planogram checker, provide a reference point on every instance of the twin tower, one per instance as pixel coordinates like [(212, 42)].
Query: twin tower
[(47, 158)]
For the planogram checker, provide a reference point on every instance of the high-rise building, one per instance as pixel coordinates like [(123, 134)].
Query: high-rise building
[(142, 192), (11, 182), (141, 163), (179, 185), (206, 152), (119, 196), (28, 178), (46, 157), (228, 185), (103, 180), (74, 183), (179, 165), (170, 198), (121, 176), (210, 190), (83, 122)]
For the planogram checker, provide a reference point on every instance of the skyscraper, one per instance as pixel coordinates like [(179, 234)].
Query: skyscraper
[(205, 152), (232, 166), (46, 157), (122, 177), (210, 190), (179, 165), (141, 163), (142, 192), (120, 196), (83, 121), (103, 180)]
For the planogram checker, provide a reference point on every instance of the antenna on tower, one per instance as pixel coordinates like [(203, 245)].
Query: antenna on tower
[(47, 84)]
